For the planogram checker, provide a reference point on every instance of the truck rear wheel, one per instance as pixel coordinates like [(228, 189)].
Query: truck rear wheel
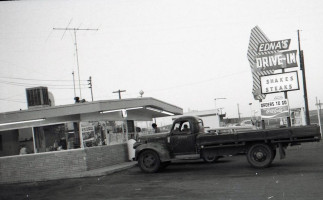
[(260, 155), (149, 161)]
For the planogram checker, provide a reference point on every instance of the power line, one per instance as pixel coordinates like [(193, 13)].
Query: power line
[(13, 101), (32, 84), (198, 82), (29, 79)]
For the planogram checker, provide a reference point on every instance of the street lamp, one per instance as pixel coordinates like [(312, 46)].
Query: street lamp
[(141, 93), (215, 104), (217, 99)]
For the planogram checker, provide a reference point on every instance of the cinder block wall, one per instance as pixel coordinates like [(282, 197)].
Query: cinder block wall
[(59, 164), (98, 157)]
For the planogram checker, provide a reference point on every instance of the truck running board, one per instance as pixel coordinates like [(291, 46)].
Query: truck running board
[(188, 157)]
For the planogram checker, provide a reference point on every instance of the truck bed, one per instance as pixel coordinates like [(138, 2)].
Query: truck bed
[(279, 135)]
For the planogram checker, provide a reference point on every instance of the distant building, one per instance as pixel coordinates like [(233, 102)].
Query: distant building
[(211, 118)]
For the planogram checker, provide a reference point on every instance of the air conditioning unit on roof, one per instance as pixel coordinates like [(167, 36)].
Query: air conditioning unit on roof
[(37, 97)]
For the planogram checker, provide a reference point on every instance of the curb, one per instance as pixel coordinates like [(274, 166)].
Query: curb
[(108, 170)]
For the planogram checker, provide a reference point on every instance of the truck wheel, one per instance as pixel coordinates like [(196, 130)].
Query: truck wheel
[(260, 155), (209, 157), (149, 161)]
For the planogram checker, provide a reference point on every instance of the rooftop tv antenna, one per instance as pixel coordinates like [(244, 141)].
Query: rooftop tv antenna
[(76, 51), (74, 84)]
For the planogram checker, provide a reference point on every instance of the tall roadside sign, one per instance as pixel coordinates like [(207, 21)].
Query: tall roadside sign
[(265, 57)]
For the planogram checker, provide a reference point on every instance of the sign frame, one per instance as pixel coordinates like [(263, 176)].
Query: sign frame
[(278, 74)]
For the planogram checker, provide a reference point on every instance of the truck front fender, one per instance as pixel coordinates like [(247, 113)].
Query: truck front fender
[(160, 149)]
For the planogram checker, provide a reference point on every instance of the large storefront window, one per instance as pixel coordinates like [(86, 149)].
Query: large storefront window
[(65, 136), (116, 132), (97, 133), (146, 127), (26, 142), (93, 133), (57, 137), (16, 142)]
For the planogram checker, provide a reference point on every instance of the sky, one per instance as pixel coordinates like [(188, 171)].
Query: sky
[(184, 52)]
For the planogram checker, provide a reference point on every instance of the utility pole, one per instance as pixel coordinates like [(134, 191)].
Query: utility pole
[(239, 113), (302, 67), (318, 104), (76, 50), (119, 91), (90, 86)]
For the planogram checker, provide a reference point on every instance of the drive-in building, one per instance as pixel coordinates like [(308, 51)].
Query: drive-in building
[(48, 142)]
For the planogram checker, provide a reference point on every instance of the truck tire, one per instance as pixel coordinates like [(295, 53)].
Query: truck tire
[(149, 161), (260, 155), (209, 157)]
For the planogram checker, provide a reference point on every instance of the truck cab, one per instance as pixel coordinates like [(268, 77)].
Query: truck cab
[(182, 137)]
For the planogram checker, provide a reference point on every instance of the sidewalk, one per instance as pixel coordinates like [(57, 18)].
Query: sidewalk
[(106, 170)]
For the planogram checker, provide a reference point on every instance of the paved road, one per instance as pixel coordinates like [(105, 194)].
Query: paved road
[(299, 176)]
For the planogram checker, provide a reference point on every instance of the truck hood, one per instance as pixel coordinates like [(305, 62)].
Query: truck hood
[(157, 137)]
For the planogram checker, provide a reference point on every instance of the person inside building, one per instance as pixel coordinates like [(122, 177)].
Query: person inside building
[(23, 150), (55, 145), (156, 129)]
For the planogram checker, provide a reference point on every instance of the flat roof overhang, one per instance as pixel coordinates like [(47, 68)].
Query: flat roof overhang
[(139, 109)]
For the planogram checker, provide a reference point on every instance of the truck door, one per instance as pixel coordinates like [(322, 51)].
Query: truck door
[(182, 139)]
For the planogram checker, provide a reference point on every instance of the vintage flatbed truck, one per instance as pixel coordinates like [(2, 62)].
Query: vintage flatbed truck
[(187, 139)]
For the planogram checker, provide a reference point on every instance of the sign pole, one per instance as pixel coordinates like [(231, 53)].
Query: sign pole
[(302, 67), (319, 114), (286, 97)]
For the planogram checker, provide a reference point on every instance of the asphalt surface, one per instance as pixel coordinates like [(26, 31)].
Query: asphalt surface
[(299, 176)]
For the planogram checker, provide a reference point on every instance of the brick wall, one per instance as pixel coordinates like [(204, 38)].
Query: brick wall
[(98, 157), (59, 164)]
